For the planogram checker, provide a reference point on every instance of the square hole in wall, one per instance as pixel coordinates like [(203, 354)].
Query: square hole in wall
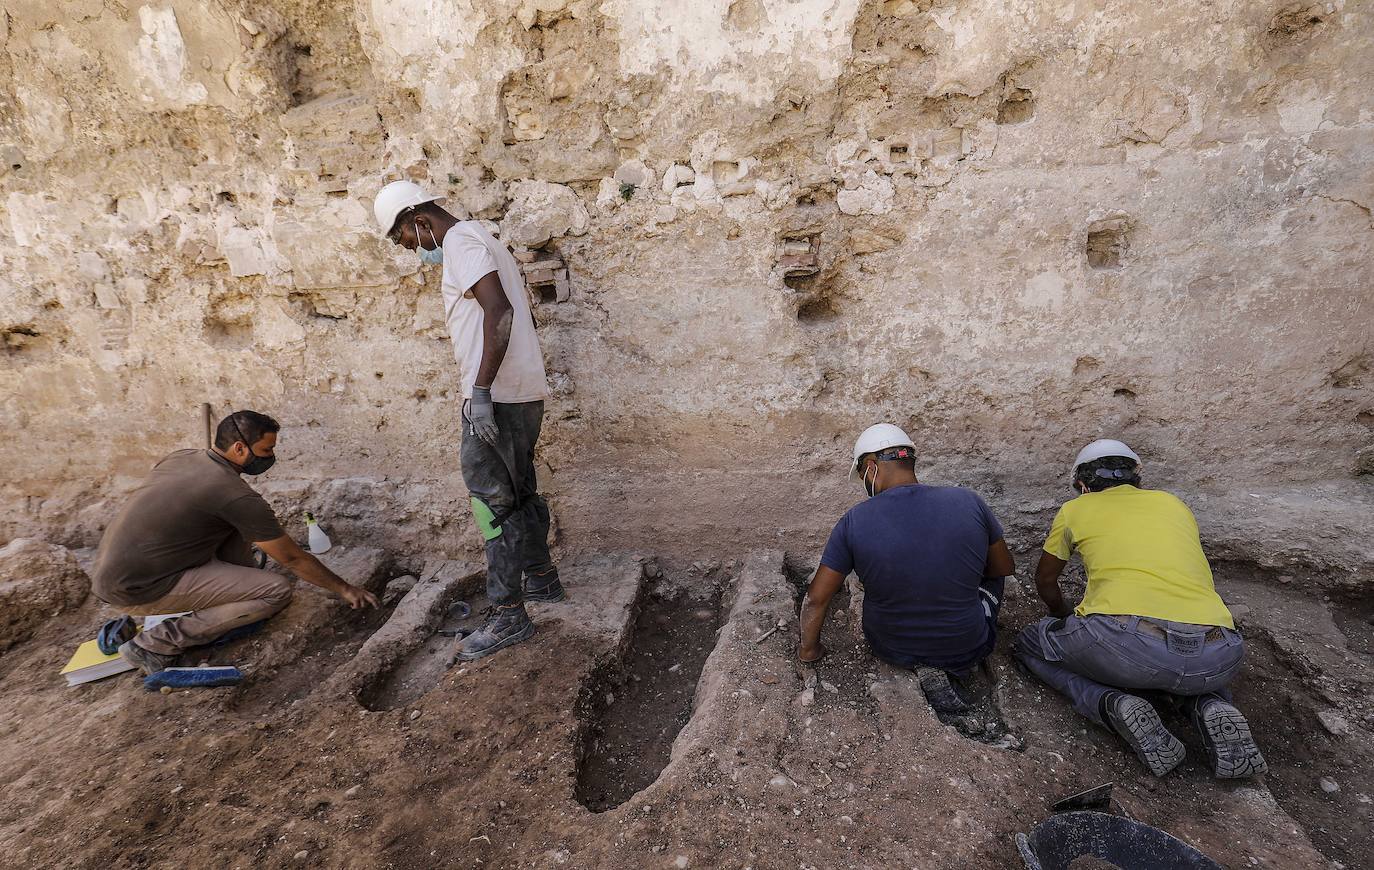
[(1017, 108), (1107, 243)]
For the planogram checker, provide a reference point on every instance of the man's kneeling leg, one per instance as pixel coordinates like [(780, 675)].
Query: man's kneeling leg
[(220, 596)]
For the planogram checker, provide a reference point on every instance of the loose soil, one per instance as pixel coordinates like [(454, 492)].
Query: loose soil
[(328, 648), (634, 708), (485, 768), (1308, 654), (422, 669)]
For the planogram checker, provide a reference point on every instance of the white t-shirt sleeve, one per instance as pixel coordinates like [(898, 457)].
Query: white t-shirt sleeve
[(466, 259)]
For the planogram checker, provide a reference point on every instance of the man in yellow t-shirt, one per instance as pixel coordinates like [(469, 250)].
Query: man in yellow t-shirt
[(1150, 619)]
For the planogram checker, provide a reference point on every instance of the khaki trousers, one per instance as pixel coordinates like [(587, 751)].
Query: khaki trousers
[(221, 596)]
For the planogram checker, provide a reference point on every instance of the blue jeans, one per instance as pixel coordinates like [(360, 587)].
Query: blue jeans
[(1087, 657), (503, 478)]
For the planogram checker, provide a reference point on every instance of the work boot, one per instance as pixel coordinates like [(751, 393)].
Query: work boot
[(544, 587), (1139, 725), (1226, 735), (940, 691), (505, 626), (145, 659)]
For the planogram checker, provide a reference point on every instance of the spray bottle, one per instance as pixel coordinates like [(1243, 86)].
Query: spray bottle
[(319, 542)]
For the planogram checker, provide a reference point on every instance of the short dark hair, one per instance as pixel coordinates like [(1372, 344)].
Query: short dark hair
[(1117, 471), (908, 462), (244, 424)]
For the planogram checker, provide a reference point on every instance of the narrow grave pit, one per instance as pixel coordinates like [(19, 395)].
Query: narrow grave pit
[(331, 646), (633, 708), (421, 669), (1307, 756), (841, 679)]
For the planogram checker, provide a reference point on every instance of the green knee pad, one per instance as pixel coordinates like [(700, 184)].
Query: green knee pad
[(485, 520)]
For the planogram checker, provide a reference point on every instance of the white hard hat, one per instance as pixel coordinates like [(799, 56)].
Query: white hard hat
[(1101, 448), (878, 437), (395, 198)]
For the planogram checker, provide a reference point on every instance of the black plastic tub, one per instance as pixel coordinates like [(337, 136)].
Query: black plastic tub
[(1130, 845)]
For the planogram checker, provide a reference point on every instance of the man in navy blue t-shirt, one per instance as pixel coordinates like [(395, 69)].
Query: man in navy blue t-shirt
[(932, 562)]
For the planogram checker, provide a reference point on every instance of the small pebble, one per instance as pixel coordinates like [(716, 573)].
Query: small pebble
[(166, 690), (1329, 785), (414, 714), (302, 855), (352, 792), (681, 862), (675, 668)]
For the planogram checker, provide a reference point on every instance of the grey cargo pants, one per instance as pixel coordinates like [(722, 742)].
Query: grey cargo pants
[(502, 478), (1086, 657)]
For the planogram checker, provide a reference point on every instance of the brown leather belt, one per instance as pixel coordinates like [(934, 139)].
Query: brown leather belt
[(1147, 627)]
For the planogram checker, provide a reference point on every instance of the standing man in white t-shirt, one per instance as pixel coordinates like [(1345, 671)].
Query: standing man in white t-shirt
[(492, 329)]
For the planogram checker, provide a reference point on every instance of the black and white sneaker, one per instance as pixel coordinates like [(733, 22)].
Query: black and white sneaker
[(1227, 737), (1139, 725), (939, 691)]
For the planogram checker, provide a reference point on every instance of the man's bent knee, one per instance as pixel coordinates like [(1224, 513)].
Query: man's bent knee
[(279, 594), (1027, 642)]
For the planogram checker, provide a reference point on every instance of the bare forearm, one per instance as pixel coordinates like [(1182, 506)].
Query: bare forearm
[(1053, 598), (495, 341), (1047, 584), (313, 571), (812, 619), (824, 584)]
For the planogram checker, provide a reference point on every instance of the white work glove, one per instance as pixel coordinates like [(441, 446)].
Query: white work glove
[(482, 415)]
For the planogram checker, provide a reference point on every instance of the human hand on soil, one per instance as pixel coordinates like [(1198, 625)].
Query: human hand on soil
[(358, 597), (812, 655)]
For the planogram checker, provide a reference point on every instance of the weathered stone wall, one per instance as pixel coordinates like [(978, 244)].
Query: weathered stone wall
[(1009, 227)]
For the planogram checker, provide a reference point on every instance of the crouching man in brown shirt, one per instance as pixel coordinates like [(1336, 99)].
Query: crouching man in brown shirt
[(181, 544)]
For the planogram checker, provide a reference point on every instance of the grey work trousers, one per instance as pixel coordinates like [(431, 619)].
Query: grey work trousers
[(1087, 657), (502, 477)]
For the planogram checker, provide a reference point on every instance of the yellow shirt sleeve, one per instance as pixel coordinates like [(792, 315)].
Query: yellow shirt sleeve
[(1060, 542)]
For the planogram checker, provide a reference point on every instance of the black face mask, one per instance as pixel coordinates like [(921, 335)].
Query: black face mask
[(256, 465)]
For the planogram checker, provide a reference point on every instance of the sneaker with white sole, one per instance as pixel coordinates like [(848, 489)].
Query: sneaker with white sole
[(145, 659), (1230, 746), (1136, 720)]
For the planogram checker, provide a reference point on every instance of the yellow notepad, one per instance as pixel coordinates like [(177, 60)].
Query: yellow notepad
[(89, 663)]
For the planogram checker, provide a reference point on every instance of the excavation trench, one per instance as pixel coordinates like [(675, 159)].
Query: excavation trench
[(633, 706), (1305, 689), (421, 669), (409, 658), (843, 678)]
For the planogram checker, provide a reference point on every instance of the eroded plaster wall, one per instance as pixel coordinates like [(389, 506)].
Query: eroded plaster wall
[(1008, 227)]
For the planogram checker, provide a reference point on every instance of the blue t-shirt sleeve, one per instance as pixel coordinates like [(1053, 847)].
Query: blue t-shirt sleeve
[(994, 528), (838, 556)]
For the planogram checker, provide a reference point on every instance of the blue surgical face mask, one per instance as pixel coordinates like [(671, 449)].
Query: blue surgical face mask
[(429, 256)]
